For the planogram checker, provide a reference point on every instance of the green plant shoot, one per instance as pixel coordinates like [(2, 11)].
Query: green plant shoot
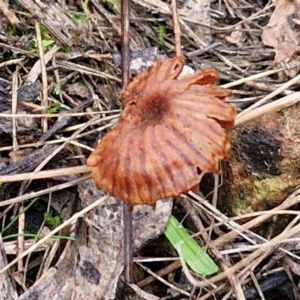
[(195, 257), (45, 44), (52, 221), (54, 108), (161, 34)]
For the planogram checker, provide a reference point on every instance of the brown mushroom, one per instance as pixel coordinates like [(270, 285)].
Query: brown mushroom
[(171, 133)]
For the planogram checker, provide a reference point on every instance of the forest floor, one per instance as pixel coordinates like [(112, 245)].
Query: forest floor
[(60, 92)]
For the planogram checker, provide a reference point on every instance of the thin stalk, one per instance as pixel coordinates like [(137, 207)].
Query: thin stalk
[(127, 214), (176, 28)]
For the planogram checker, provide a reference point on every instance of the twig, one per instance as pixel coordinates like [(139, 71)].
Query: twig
[(10, 62), (271, 95), (172, 286), (176, 28), (44, 73), (268, 108), (45, 174), (14, 110), (42, 192), (162, 272)]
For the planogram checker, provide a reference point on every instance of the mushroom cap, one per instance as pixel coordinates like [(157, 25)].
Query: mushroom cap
[(171, 133)]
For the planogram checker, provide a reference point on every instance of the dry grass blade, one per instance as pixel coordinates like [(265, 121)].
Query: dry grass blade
[(45, 174), (52, 189), (268, 108), (246, 262), (176, 27), (271, 95)]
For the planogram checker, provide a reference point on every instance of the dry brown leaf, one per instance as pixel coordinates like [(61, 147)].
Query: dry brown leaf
[(171, 135), (79, 89), (282, 32)]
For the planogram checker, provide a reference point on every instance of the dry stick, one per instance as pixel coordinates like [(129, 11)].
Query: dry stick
[(251, 257), (271, 95), (14, 110), (172, 286), (268, 108), (125, 14), (64, 139), (214, 203), (10, 62), (21, 219), (176, 27), (8, 287), (206, 206), (46, 115), (142, 294), (241, 231), (44, 73), (261, 256), (33, 195), (290, 201), (43, 62), (245, 273), (162, 272), (254, 77), (45, 174), (127, 214), (257, 286), (85, 70)]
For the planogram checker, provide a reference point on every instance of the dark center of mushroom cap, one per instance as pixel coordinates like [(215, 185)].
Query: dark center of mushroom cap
[(147, 110)]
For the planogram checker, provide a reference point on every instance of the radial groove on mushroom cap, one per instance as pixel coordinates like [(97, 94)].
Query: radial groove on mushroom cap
[(170, 129)]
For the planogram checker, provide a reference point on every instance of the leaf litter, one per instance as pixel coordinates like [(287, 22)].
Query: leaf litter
[(235, 38)]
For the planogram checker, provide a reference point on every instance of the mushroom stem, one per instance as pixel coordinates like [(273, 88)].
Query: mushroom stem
[(128, 253), (125, 15)]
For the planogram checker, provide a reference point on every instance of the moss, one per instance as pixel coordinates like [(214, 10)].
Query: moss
[(262, 194)]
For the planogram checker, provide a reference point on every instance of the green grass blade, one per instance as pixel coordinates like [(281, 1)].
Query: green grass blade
[(195, 257), (16, 217), (37, 236)]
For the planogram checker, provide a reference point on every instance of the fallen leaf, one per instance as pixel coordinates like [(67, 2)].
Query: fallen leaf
[(282, 32)]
